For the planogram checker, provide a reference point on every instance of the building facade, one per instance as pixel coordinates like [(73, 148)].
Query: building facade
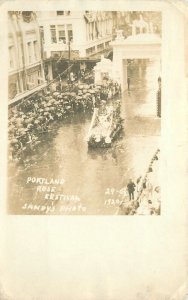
[(87, 32), (72, 35), (135, 22), (26, 74)]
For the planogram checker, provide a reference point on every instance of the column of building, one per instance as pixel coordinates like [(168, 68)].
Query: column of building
[(15, 31), (27, 71)]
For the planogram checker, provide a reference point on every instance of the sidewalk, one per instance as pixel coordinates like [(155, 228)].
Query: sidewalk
[(142, 131), (142, 128)]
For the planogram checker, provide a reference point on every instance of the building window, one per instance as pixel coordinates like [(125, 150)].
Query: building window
[(23, 79), (29, 52), (11, 57), (60, 12), (27, 16), (33, 80), (53, 34), (30, 82), (107, 44), (63, 13), (100, 47), (90, 51), (70, 32), (61, 33), (36, 50), (39, 77), (42, 33), (13, 86)]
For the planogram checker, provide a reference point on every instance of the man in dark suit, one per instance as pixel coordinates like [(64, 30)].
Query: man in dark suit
[(128, 83), (131, 188)]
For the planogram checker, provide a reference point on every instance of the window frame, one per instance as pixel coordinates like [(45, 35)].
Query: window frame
[(53, 30), (63, 37)]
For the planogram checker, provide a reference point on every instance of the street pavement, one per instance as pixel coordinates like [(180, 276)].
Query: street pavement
[(142, 127)]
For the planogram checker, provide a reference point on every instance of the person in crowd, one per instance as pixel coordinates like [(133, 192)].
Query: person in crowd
[(137, 183), (128, 83), (159, 81), (156, 200), (131, 188), (144, 186), (149, 188)]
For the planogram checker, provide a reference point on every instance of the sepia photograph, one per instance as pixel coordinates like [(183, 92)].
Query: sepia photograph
[(84, 112)]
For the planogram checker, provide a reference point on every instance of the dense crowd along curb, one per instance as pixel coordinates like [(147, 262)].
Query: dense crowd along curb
[(32, 118)]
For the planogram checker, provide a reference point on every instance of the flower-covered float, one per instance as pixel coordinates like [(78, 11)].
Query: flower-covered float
[(105, 126)]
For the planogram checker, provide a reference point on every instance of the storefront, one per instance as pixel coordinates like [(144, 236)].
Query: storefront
[(34, 77)]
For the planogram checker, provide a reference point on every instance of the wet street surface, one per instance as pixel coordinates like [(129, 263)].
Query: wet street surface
[(64, 177)]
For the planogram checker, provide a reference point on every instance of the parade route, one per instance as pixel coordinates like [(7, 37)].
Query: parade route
[(94, 177)]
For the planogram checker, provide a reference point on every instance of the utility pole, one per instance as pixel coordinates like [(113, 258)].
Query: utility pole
[(69, 57)]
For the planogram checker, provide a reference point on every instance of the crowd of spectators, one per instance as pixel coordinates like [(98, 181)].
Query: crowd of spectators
[(145, 194), (31, 119)]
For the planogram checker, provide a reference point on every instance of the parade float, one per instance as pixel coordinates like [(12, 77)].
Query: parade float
[(105, 126)]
